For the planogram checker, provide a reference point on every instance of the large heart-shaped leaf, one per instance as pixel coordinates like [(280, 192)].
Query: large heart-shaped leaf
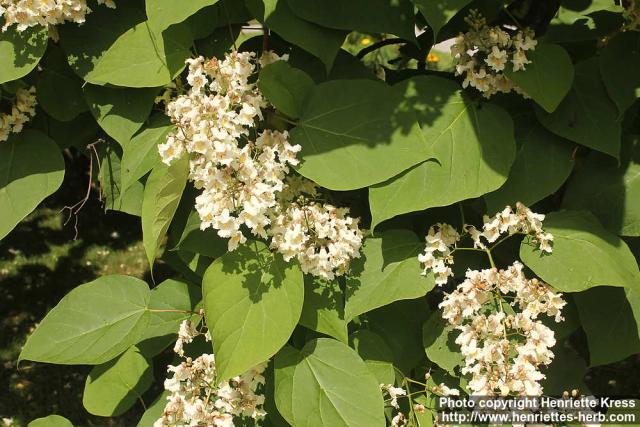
[(355, 133), (119, 47), (21, 51), (387, 271), (323, 309), (548, 77), (31, 168), (375, 353), (50, 421), (163, 13), (252, 301), (586, 115), (439, 12), (584, 255), (607, 317), (542, 164), (619, 64), (439, 343), (474, 145), (609, 191), (285, 87), (115, 386), (327, 377), (120, 112), (92, 324)]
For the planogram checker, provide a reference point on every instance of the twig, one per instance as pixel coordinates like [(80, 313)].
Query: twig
[(386, 42), (75, 209)]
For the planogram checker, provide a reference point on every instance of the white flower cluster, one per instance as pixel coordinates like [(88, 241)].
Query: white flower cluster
[(323, 238), (442, 238), (394, 393), (198, 399), (29, 13), (243, 173), (508, 221), (482, 53), (22, 110), (437, 256), (503, 352)]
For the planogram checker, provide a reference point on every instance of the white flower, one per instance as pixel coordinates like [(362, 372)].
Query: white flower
[(394, 393), (22, 110), (28, 13), (196, 398), (497, 365), (494, 47), (244, 174)]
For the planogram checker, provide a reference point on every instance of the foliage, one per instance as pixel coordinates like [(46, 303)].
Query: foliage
[(371, 146)]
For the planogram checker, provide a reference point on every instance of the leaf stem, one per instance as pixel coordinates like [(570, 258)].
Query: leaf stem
[(153, 310)]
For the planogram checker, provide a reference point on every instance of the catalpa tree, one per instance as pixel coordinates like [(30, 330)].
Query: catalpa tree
[(355, 227)]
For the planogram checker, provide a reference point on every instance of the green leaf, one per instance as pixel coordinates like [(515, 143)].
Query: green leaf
[(399, 324), (584, 255), (204, 242), (609, 323), (92, 324), (325, 382), (85, 44), (439, 343), (619, 64), (162, 195), (439, 12), (31, 168), (114, 195), (50, 421), (120, 112), (285, 87), (140, 58), (578, 21), (387, 271), (154, 412), (323, 309), (21, 51), (163, 13), (284, 366), (373, 16), (609, 191), (548, 78), (140, 154), (177, 298), (543, 163), (223, 17), (566, 372), (586, 115), (376, 354), (78, 132), (56, 79), (119, 47), (322, 42), (252, 301), (474, 145), (353, 134), (112, 388)]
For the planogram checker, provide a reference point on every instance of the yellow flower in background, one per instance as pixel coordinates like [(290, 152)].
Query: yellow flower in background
[(365, 41), (432, 57)]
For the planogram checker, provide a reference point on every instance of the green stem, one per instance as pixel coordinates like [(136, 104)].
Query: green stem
[(493, 264)]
